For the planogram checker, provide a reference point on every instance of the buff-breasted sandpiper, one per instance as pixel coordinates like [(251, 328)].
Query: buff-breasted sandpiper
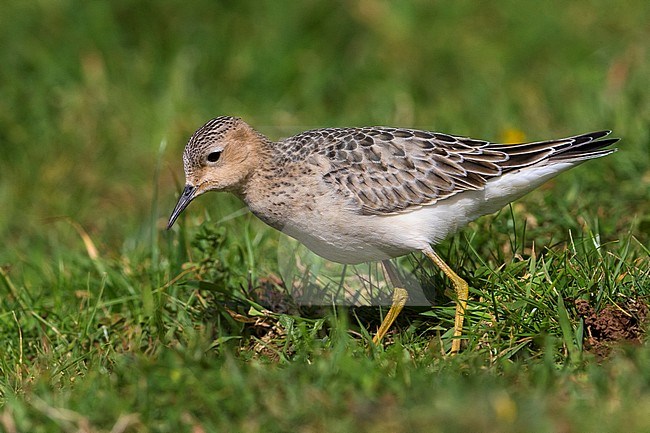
[(356, 195)]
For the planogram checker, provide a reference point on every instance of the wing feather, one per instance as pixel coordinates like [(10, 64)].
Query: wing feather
[(388, 170)]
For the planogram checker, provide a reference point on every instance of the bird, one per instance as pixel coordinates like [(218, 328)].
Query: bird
[(365, 194)]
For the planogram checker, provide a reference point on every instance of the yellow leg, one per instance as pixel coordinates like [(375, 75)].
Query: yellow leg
[(400, 296), (462, 293)]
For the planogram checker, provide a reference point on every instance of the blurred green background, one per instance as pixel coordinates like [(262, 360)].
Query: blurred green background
[(97, 100), (90, 90)]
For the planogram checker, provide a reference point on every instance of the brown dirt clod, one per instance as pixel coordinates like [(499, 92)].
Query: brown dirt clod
[(613, 324)]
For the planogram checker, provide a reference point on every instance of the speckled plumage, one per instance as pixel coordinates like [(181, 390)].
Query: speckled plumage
[(390, 170), (354, 195)]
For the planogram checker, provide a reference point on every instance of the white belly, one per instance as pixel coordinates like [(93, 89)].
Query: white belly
[(345, 237)]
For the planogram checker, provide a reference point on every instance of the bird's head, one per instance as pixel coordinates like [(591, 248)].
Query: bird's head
[(220, 156)]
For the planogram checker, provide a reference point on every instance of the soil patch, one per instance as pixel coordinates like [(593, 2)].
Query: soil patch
[(613, 324)]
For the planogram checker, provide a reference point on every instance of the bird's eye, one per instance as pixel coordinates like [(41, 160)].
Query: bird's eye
[(214, 156)]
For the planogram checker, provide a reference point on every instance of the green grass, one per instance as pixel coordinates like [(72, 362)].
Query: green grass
[(109, 322)]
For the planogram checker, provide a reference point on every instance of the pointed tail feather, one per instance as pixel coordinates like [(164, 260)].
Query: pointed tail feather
[(571, 149)]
